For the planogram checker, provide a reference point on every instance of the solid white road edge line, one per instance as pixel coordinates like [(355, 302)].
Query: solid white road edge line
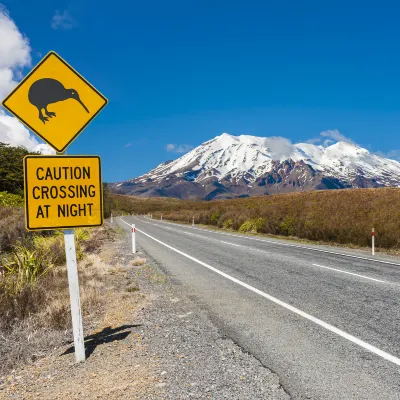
[(283, 244), (351, 273), (303, 314)]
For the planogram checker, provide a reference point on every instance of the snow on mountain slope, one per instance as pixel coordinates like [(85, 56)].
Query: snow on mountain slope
[(228, 157)]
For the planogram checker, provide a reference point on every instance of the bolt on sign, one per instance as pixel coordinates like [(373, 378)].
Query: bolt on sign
[(55, 102), (63, 192)]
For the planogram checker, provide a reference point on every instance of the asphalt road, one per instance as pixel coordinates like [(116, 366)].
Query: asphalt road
[(326, 320)]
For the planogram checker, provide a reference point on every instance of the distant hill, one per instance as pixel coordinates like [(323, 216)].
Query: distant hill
[(240, 166)]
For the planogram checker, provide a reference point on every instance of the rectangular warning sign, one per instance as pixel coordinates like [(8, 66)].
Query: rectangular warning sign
[(63, 192)]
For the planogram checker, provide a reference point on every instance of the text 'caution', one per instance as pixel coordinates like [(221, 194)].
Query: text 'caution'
[(63, 192)]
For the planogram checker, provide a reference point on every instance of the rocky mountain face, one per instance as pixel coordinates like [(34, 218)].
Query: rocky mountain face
[(239, 166)]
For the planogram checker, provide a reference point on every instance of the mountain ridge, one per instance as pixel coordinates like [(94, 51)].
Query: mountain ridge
[(239, 166)]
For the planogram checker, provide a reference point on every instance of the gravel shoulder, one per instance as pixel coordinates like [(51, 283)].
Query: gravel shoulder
[(153, 341)]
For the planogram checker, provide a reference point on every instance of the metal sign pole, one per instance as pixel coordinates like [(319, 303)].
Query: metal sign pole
[(73, 283), (74, 295)]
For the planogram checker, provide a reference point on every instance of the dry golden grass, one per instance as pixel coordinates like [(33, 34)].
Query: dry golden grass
[(138, 261), (40, 311), (340, 216), (34, 282)]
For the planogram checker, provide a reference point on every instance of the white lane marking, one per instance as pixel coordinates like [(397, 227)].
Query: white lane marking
[(286, 244), (329, 327), (351, 273), (232, 244), (266, 252), (220, 241)]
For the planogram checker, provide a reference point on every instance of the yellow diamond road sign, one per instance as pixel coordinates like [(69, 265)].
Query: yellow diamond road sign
[(63, 192), (55, 102)]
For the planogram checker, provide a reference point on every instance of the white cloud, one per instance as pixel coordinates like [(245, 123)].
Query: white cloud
[(392, 154), (63, 20), (331, 136), (316, 140), (178, 148), (14, 132), (282, 148), (336, 136), (14, 53), (128, 144)]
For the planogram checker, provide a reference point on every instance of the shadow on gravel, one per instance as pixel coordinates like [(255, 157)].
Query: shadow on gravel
[(105, 336)]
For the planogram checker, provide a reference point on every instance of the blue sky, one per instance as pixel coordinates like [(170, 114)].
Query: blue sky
[(183, 71)]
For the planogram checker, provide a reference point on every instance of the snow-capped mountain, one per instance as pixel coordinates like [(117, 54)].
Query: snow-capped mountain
[(236, 166)]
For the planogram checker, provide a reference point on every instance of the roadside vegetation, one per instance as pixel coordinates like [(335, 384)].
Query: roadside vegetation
[(34, 298), (338, 216)]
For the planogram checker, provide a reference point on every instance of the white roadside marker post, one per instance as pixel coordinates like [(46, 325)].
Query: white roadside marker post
[(373, 241), (193, 221), (133, 239), (112, 220), (161, 217), (73, 284)]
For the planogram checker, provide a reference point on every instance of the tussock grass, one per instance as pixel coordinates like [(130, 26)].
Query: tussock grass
[(35, 279), (340, 216), (34, 296), (138, 261)]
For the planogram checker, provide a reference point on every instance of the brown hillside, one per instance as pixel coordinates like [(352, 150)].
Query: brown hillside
[(341, 216)]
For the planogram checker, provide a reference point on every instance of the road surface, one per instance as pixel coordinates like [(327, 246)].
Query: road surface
[(326, 320)]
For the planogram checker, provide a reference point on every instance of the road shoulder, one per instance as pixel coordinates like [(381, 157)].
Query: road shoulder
[(153, 342)]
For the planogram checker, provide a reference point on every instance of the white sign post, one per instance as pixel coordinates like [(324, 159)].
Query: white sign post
[(133, 239), (373, 241), (74, 295), (73, 283)]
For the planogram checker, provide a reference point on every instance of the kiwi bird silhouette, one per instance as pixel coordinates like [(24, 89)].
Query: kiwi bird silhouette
[(48, 91)]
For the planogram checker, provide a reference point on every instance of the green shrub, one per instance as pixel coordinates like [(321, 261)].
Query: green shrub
[(11, 168), (215, 217), (81, 235), (253, 225), (288, 226), (11, 200), (51, 247), (228, 224), (23, 268)]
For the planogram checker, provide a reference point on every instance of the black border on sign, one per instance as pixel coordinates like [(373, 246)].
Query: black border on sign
[(61, 150), (60, 227)]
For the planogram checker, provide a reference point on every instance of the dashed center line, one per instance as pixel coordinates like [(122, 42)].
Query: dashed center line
[(351, 273)]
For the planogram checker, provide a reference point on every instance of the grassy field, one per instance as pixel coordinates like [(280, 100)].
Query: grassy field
[(340, 216)]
